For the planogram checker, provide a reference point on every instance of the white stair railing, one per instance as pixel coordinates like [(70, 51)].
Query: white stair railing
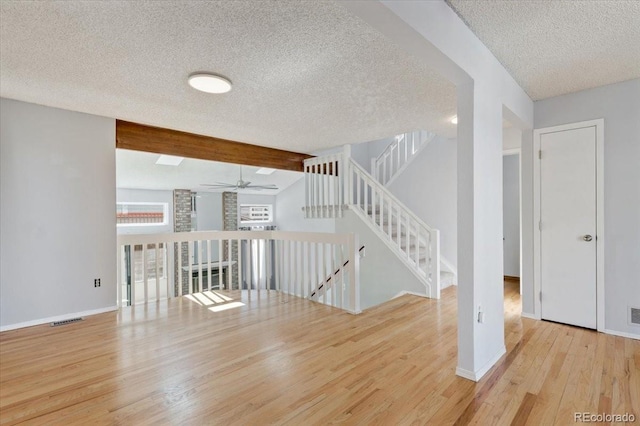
[(413, 241), (153, 267), (324, 288), (323, 191), (398, 154)]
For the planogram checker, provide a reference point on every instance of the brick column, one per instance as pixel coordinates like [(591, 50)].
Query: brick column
[(181, 223), (230, 223)]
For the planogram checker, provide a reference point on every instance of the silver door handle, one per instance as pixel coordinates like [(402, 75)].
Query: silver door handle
[(587, 237)]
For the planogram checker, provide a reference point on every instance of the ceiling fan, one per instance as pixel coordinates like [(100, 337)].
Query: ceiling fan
[(240, 184)]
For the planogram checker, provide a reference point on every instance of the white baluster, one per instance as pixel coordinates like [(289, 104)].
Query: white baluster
[(179, 263), (381, 214), (190, 263), (145, 278), (199, 256), (132, 249), (157, 272)]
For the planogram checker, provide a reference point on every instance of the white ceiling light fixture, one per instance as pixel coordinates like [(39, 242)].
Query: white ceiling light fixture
[(454, 119), (209, 83), (265, 171), (169, 160)]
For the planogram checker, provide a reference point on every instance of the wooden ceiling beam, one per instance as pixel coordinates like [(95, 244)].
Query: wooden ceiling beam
[(139, 137)]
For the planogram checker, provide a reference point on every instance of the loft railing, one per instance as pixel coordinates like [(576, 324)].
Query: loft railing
[(153, 267), (323, 288), (413, 241), (324, 192), (386, 166)]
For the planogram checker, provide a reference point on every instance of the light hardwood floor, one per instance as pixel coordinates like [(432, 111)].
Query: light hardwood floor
[(283, 360)]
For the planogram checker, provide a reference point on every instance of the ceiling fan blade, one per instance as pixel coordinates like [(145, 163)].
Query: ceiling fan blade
[(262, 187), (218, 185)]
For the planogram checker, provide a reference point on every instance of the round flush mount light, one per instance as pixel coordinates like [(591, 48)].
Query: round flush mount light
[(454, 119), (209, 83)]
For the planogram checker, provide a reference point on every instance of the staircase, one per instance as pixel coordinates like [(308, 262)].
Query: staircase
[(397, 156), (336, 182), (323, 291)]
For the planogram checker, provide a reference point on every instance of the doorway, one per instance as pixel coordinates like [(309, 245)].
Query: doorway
[(568, 243)]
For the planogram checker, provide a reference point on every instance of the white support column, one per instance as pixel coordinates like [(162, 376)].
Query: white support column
[(480, 277)]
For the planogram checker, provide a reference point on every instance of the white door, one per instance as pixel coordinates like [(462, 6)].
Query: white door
[(568, 226)]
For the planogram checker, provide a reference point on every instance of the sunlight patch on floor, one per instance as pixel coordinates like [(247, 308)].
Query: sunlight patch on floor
[(226, 306), (215, 301)]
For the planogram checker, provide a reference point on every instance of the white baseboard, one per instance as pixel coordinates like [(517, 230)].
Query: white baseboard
[(530, 316), (466, 374), (57, 318), (448, 265), (413, 293), (477, 375), (623, 334)]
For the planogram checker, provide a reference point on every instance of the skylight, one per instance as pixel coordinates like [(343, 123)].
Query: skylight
[(265, 171), (169, 160)]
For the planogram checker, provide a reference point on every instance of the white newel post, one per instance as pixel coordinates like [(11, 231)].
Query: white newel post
[(435, 264), (345, 175), (171, 290), (354, 274), (119, 258)]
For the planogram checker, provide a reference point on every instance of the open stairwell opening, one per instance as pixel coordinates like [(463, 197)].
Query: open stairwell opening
[(407, 250), (391, 162)]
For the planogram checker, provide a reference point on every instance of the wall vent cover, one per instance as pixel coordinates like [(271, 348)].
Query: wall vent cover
[(634, 316), (72, 320)]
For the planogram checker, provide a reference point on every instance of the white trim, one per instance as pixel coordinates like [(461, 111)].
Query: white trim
[(453, 284), (430, 137), (478, 374), (530, 316), (448, 265), (520, 223), (394, 249), (57, 318), (466, 374), (412, 293), (600, 285), (623, 334), (512, 151)]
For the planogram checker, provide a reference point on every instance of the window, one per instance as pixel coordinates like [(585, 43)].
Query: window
[(256, 213), (142, 214)]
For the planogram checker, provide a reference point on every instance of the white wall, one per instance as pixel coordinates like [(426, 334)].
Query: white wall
[(362, 153), (511, 138), (290, 216), (511, 214), (209, 211), (434, 34), (382, 275), (619, 105), (209, 218), (146, 196), (428, 186), (57, 215)]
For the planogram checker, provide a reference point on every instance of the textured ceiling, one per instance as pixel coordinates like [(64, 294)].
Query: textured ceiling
[(554, 47), (307, 75), (136, 169)]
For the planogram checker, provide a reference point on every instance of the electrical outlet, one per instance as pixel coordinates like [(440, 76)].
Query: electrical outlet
[(96, 282)]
